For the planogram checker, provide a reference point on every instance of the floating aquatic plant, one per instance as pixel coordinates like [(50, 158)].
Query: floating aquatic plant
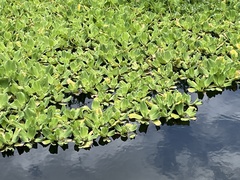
[(118, 53)]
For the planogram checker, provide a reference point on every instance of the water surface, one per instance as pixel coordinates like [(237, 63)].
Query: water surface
[(206, 149)]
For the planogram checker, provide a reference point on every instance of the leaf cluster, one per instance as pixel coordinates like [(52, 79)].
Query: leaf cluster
[(129, 55)]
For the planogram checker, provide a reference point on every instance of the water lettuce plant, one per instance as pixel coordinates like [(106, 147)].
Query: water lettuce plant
[(128, 56)]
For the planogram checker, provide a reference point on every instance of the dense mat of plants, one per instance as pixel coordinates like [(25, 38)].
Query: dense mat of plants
[(128, 55)]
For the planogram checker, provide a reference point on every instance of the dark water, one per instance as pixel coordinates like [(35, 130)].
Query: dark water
[(207, 149)]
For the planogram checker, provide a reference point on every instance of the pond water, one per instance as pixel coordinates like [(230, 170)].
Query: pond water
[(205, 149)]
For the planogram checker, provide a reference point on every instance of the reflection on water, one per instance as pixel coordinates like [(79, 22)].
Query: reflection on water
[(207, 149)]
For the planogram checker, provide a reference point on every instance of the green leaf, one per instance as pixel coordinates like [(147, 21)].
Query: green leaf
[(8, 137), (96, 104), (218, 89), (179, 108), (31, 132), (208, 81), (175, 116), (185, 119), (192, 84), (144, 38), (111, 133), (144, 109), (125, 37), (21, 97), (15, 136), (87, 144), (167, 56), (4, 83), (131, 127), (154, 113), (118, 128), (135, 116), (104, 132), (29, 113), (3, 100), (46, 142), (132, 136), (124, 104), (191, 90), (191, 111), (10, 66), (191, 72), (157, 122), (23, 136), (83, 132), (46, 132), (7, 35)]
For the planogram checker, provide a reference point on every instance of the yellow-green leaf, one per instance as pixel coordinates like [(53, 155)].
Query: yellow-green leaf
[(134, 116)]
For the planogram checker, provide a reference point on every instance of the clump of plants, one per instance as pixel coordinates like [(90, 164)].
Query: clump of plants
[(128, 56)]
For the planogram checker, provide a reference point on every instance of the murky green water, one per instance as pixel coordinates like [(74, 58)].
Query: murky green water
[(206, 149)]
